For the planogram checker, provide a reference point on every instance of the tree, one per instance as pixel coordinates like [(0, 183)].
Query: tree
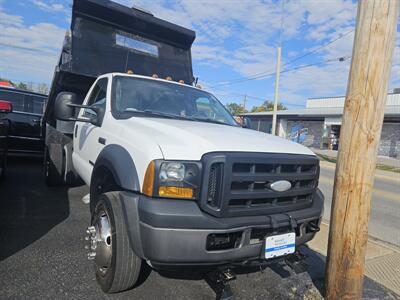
[(267, 106), (22, 86), (235, 109), (43, 88)]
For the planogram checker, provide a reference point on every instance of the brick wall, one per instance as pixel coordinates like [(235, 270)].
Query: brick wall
[(390, 140), (310, 132)]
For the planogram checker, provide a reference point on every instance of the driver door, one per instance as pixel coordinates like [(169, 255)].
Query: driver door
[(88, 140)]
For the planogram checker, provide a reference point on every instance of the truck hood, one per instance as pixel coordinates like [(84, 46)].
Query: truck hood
[(189, 140)]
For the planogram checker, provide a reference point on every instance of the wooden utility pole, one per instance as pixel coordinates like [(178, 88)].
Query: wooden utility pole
[(276, 98), (361, 127), (244, 102)]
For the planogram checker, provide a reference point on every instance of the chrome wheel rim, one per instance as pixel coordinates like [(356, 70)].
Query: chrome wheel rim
[(102, 244)]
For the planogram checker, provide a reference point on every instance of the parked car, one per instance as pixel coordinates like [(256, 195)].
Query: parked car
[(5, 108), (25, 133)]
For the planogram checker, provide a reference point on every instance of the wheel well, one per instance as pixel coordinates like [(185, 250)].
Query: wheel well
[(102, 181)]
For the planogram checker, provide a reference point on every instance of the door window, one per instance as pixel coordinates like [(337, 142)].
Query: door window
[(24, 102), (17, 99), (97, 98), (34, 104)]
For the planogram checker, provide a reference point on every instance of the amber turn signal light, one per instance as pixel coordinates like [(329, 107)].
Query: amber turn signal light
[(148, 183), (176, 192)]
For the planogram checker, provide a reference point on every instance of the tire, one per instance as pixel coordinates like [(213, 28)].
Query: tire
[(50, 171), (121, 270)]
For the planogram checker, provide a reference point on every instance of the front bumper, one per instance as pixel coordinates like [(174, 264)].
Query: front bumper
[(175, 232)]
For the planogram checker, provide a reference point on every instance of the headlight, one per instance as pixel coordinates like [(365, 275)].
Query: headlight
[(172, 171), (173, 179)]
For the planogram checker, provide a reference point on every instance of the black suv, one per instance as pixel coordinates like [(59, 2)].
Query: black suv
[(5, 108), (25, 132)]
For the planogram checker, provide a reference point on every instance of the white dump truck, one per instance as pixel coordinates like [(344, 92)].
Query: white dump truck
[(174, 181)]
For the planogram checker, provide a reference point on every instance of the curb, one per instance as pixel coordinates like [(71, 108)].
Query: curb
[(332, 166), (373, 240), (382, 259)]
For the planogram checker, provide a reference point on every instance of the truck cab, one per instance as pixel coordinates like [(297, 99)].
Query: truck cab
[(188, 184), (174, 180)]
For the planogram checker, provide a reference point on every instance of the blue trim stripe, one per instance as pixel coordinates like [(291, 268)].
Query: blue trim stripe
[(280, 248)]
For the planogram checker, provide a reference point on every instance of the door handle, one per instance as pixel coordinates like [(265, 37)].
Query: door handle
[(76, 130), (102, 140)]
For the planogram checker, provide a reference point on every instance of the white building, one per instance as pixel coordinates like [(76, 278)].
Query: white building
[(318, 125)]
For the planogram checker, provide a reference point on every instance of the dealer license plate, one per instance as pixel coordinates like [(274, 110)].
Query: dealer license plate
[(278, 245)]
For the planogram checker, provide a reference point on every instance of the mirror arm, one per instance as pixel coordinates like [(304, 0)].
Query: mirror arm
[(92, 121), (82, 106), (76, 120)]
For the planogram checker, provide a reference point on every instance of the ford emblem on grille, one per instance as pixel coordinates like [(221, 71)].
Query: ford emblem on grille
[(281, 186)]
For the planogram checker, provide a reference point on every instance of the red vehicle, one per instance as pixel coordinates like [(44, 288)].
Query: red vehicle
[(5, 108)]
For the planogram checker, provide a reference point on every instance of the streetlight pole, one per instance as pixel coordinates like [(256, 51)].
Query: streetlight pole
[(276, 98), (244, 102)]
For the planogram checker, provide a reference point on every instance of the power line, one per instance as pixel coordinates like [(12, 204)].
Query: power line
[(265, 75), (260, 99), (252, 97), (251, 77), (343, 58), (340, 59), (319, 48)]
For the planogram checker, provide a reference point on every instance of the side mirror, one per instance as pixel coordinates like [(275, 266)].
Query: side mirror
[(63, 110), (246, 123), (5, 107), (65, 106)]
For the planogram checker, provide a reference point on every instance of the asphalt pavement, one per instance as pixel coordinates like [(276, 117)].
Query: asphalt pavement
[(42, 253), (385, 208)]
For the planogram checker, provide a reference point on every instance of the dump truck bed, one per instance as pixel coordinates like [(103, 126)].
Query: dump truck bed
[(108, 37)]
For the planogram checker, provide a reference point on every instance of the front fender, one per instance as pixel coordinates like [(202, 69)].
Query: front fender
[(120, 163)]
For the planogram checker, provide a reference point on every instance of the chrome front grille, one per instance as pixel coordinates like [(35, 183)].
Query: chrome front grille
[(214, 185), (239, 184)]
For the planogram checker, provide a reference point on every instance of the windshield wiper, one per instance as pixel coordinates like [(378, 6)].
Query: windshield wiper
[(208, 120), (159, 114), (172, 116)]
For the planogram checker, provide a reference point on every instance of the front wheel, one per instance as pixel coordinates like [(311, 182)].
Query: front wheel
[(117, 266)]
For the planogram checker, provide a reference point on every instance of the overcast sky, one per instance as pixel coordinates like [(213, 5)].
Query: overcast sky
[(236, 41)]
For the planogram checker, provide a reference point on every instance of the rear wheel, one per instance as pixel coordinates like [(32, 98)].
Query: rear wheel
[(117, 266)]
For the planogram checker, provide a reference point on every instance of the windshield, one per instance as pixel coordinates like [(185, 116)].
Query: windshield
[(143, 97)]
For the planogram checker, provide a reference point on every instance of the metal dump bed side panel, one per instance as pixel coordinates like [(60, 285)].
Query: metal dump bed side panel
[(107, 37)]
